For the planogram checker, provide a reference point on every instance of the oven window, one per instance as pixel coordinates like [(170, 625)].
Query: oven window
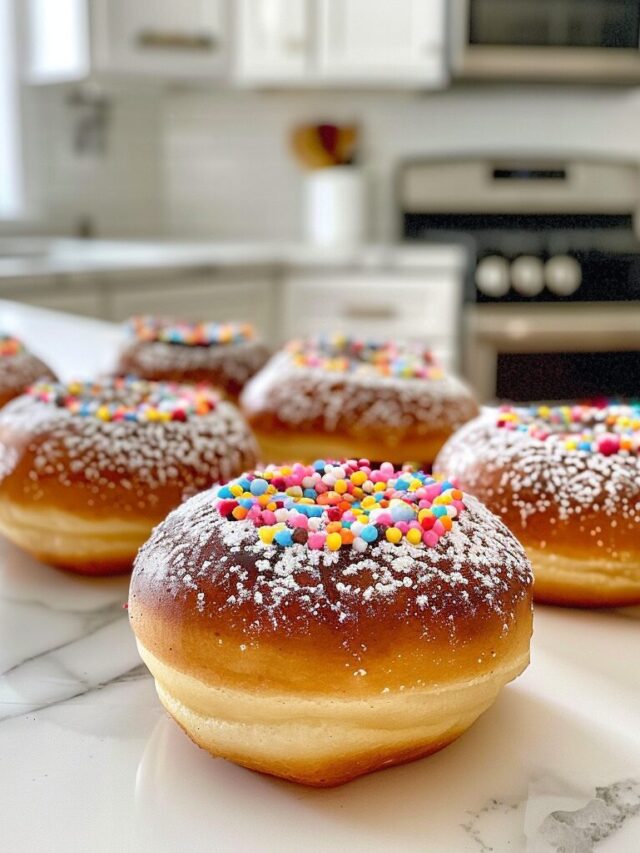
[(567, 376), (555, 23)]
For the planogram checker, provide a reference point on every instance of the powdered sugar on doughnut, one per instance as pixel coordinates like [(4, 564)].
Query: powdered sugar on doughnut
[(477, 568)]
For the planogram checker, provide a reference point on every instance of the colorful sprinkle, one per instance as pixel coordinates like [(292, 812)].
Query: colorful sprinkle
[(185, 333), (10, 346), (342, 354), (128, 399), (328, 505), (591, 429)]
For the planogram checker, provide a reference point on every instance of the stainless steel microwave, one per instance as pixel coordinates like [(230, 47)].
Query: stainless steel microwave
[(573, 40)]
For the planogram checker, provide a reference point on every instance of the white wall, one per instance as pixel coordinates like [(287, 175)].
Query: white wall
[(121, 191), (228, 171)]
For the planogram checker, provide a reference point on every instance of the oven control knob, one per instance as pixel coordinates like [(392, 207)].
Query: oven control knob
[(527, 275), (492, 276), (563, 275)]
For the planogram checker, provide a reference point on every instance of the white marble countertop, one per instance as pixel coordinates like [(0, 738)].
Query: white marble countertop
[(90, 762), (31, 257)]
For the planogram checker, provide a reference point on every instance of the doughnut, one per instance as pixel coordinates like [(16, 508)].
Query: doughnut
[(566, 480), (225, 355), (344, 397), (18, 368), (318, 622), (87, 469)]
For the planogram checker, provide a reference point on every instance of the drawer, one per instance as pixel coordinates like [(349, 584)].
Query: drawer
[(374, 306)]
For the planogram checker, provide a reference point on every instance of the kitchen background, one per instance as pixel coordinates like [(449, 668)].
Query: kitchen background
[(168, 124)]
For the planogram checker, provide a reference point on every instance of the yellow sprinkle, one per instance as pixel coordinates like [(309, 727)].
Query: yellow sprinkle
[(414, 484), (414, 536), (358, 478), (363, 519), (103, 413), (334, 541), (393, 535), (424, 513), (266, 534), (340, 487), (379, 487), (236, 490), (368, 502)]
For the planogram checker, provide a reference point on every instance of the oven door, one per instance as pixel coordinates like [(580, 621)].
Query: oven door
[(553, 352), (547, 39)]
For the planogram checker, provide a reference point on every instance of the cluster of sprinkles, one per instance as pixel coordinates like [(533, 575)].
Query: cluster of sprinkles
[(10, 346), (128, 399), (342, 354), (331, 505), (605, 430), (185, 333)]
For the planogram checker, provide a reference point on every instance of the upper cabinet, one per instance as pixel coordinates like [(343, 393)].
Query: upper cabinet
[(274, 41), (286, 43), (375, 41), (161, 39), (185, 39)]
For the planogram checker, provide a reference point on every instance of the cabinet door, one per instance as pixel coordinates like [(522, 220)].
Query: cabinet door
[(380, 41), (273, 40), (161, 37)]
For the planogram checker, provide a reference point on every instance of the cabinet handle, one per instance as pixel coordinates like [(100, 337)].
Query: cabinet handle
[(165, 40), (370, 312)]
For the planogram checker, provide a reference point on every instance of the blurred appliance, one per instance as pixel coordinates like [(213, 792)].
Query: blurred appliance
[(546, 39), (553, 295)]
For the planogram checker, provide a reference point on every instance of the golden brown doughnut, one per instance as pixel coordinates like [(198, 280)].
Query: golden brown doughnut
[(18, 368), (225, 355), (343, 397), (290, 639), (87, 469), (566, 481)]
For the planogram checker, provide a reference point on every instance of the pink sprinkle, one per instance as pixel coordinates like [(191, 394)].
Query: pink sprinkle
[(316, 541), (438, 528), (430, 538), (608, 444)]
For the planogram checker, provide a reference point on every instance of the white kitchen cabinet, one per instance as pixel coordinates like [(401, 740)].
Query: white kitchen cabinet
[(400, 42), (161, 37), (75, 295), (376, 305), (68, 40), (196, 296), (274, 40)]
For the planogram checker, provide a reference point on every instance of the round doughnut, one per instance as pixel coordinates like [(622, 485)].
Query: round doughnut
[(225, 355), (18, 368), (87, 469), (321, 622), (344, 397), (566, 481)]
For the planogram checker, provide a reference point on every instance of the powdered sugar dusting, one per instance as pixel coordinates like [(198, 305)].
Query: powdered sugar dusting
[(478, 567)]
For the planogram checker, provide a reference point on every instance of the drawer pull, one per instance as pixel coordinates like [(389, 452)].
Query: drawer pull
[(370, 312), (165, 40)]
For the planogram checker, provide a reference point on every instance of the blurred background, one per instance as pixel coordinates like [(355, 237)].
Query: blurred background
[(463, 173)]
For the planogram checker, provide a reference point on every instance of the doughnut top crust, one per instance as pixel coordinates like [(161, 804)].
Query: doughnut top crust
[(593, 429), (348, 386), (342, 354), (18, 368), (212, 559), (122, 444), (127, 399), (189, 334), (565, 478)]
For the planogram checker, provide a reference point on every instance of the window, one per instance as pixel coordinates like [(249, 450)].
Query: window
[(11, 172)]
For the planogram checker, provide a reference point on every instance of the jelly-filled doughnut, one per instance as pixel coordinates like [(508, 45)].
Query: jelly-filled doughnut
[(18, 368), (225, 355), (87, 469), (345, 397), (566, 481), (318, 622)]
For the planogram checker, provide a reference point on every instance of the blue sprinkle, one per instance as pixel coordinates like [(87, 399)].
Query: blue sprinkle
[(369, 533), (439, 510), (246, 484), (258, 486), (319, 465), (401, 485), (247, 503), (314, 511), (447, 484), (284, 537), (310, 493)]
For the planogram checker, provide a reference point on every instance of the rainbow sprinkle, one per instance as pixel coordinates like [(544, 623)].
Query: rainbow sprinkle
[(184, 333), (128, 399), (343, 354), (332, 505), (593, 429), (10, 346)]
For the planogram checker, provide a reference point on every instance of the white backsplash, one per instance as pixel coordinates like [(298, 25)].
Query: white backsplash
[(217, 164)]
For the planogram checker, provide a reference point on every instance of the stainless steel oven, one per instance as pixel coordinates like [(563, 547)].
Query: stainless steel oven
[(546, 39), (553, 293)]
